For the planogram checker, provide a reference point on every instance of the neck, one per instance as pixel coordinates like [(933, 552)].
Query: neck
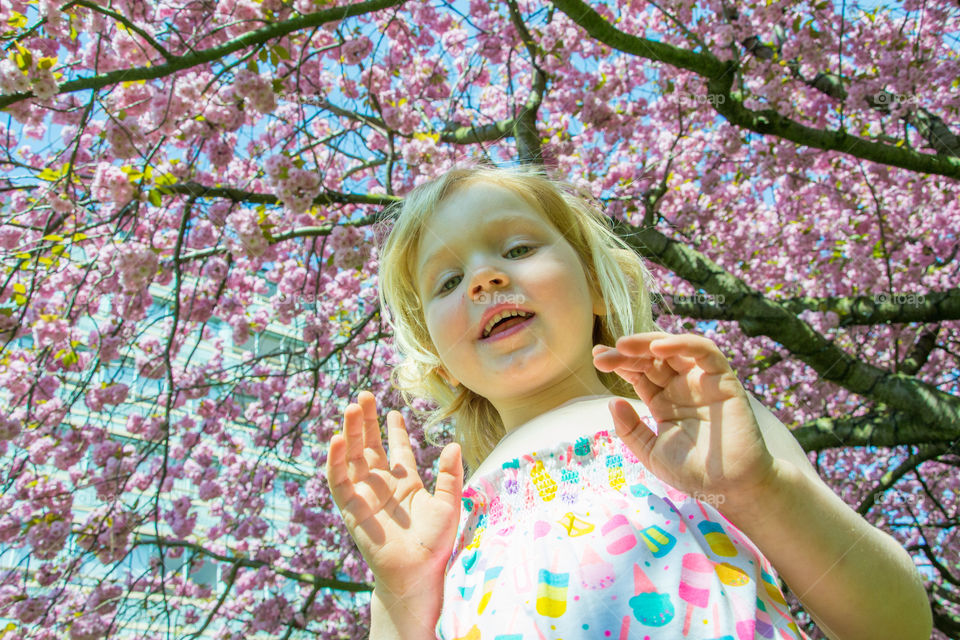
[(518, 410)]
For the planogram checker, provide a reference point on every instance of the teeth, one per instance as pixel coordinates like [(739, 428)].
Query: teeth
[(500, 316)]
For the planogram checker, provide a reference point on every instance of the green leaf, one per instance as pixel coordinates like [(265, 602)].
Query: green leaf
[(155, 197), (282, 52), (17, 20)]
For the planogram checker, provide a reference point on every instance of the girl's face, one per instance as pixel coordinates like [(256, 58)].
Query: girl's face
[(485, 247)]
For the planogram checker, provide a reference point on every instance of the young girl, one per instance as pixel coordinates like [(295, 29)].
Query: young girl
[(627, 491)]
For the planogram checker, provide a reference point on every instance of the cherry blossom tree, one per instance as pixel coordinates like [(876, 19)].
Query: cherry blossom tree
[(192, 197)]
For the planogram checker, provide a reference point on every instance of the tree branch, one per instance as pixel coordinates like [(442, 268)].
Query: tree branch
[(198, 190), (240, 561), (525, 124), (179, 63), (729, 104), (129, 24), (891, 429), (933, 306), (934, 413)]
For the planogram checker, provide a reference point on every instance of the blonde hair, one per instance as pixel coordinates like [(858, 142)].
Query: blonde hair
[(610, 264)]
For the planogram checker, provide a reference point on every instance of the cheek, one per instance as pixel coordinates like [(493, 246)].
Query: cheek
[(445, 321)]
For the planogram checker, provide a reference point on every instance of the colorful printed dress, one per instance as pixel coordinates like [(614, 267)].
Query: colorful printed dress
[(580, 541)]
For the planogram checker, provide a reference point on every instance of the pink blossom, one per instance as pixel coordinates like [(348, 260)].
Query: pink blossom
[(257, 89), (48, 536), (356, 49), (9, 236), (110, 184), (47, 574), (136, 263), (278, 167), (249, 238), (12, 79), (298, 190), (180, 520), (50, 330), (90, 626), (209, 490), (9, 527), (107, 534), (125, 137), (104, 598), (9, 427), (113, 394), (29, 611)]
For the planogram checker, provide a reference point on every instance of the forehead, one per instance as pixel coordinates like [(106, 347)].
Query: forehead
[(473, 211)]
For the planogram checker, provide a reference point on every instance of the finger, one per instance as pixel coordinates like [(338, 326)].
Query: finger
[(647, 344), (600, 348), (371, 424), (614, 359), (639, 343), (632, 430), (341, 489), (660, 373), (659, 370), (703, 350), (353, 432), (398, 442), (450, 475)]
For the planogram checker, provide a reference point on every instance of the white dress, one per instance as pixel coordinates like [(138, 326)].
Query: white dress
[(564, 534)]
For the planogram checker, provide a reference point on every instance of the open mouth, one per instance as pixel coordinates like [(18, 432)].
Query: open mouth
[(508, 326)]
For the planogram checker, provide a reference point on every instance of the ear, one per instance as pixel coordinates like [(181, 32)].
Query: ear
[(450, 380), (599, 308)]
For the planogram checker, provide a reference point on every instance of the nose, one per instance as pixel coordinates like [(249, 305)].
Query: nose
[(487, 278)]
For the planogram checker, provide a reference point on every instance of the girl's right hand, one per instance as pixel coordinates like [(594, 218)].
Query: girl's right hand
[(405, 534)]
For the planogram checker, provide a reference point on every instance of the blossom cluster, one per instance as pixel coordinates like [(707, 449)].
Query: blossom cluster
[(257, 89), (136, 265), (111, 185), (113, 394), (295, 188), (35, 75)]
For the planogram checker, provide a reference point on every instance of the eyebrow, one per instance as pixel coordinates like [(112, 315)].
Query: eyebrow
[(439, 253)]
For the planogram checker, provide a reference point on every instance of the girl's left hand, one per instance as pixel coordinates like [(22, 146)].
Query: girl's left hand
[(708, 444)]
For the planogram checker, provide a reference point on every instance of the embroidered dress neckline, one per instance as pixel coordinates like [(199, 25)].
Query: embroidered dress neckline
[(544, 430), (568, 403)]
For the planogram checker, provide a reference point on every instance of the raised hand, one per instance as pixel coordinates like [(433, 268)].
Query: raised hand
[(708, 441), (405, 534)]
